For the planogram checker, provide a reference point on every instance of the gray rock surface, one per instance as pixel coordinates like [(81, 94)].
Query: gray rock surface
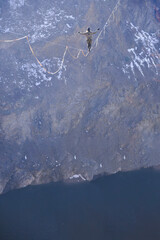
[(98, 114)]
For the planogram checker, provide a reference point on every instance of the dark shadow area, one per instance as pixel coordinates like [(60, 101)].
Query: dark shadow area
[(118, 207)]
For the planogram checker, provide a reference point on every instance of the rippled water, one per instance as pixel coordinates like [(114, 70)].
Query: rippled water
[(124, 206)]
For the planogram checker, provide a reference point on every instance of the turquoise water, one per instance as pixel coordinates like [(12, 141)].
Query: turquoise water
[(124, 206)]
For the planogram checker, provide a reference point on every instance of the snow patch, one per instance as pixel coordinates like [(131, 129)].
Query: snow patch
[(69, 17), (143, 54), (37, 72), (14, 4), (76, 176)]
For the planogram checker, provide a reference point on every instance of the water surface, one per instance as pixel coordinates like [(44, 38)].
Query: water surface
[(124, 206)]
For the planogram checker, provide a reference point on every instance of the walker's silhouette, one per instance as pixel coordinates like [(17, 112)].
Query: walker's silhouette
[(88, 35)]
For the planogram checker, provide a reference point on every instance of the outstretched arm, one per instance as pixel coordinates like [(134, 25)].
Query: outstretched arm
[(82, 33), (95, 31)]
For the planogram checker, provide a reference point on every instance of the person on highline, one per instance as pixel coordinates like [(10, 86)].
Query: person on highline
[(88, 35)]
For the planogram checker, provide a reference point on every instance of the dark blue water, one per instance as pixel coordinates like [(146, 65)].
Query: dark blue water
[(124, 206)]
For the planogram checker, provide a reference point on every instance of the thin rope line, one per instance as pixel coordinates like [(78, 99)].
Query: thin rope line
[(53, 73), (75, 57), (85, 55), (13, 40), (61, 65), (67, 47), (107, 22)]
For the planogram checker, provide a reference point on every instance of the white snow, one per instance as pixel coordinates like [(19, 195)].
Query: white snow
[(41, 23), (58, 165), (25, 157), (16, 3), (143, 54), (49, 20), (70, 17), (77, 176), (61, 67), (36, 73), (69, 26)]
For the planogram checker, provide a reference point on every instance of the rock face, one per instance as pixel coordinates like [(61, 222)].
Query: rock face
[(98, 114)]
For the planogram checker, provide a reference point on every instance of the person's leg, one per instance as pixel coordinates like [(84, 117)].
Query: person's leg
[(89, 41), (89, 47)]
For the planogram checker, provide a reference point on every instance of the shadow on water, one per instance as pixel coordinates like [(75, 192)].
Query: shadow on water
[(124, 206)]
